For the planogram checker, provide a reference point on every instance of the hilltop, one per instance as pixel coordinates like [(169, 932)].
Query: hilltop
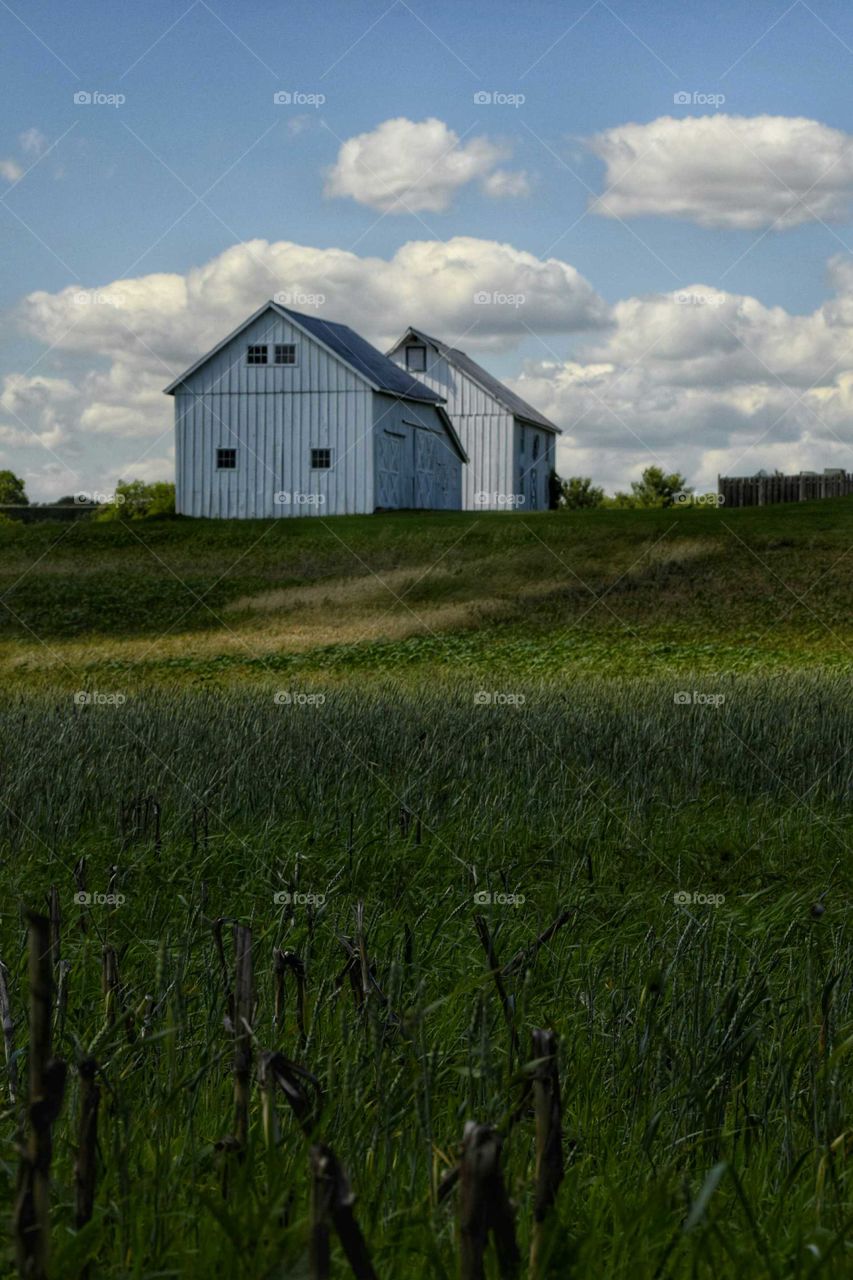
[(539, 594)]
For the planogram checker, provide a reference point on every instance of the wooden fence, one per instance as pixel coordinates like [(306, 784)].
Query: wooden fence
[(758, 491)]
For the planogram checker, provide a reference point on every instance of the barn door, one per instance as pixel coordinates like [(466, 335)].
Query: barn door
[(389, 489), (426, 466)]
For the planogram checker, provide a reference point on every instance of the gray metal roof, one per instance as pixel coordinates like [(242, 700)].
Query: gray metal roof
[(380, 372), (463, 362), (365, 359)]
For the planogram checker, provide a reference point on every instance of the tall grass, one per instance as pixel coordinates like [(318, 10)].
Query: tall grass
[(704, 1048)]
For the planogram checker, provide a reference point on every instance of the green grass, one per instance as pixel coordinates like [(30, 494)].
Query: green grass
[(705, 1049), (477, 703), (184, 601)]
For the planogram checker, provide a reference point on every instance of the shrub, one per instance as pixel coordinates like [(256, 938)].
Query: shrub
[(136, 500)]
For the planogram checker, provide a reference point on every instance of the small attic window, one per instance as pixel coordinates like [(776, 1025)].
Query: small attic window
[(416, 359), (321, 459), (256, 355), (285, 353), (226, 459)]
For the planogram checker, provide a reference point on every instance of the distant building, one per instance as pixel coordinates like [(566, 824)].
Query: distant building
[(291, 415), (510, 444), (762, 489)]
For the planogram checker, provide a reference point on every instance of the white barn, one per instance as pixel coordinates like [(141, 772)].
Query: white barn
[(292, 415), (510, 444)]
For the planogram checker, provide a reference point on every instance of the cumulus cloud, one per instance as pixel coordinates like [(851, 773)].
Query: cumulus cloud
[(705, 381), (699, 378), (727, 171), (119, 344), (403, 166), (11, 170)]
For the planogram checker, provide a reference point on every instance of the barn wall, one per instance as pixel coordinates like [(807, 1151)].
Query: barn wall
[(532, 471), (229, 404), (416, 463), (485, 428)]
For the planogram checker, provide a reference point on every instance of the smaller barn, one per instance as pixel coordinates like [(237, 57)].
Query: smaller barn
[(291, 415), (511, 444)]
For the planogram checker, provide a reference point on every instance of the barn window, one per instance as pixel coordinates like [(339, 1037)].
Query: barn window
[(256, 355), (285, 353), (416, 359), (535, 448), (321, 459), (226, 459)]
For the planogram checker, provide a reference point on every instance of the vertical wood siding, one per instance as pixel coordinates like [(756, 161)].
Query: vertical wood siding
[(274, 415), (492, 480), (416, 462)]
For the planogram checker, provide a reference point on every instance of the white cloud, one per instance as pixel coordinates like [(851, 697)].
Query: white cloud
[(707, 382), (727, 171), (117, 345), (33, 142), (506, 182), (403, 166), (11, 170), (697, 379)]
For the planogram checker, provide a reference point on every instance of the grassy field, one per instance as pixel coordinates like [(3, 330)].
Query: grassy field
[(641, 719), (543, 594)]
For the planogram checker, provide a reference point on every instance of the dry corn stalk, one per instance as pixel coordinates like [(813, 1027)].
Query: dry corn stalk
[(85, 1164), (332, 1201), (484, 1207), (46, 1091), (8, 1034), (547, 1108), (242, 1031)]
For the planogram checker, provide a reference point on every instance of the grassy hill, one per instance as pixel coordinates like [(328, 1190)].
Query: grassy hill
[(635, 723), (621, 592)]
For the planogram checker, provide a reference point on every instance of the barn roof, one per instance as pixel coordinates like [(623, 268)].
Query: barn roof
[(487, 381), (382, 374)]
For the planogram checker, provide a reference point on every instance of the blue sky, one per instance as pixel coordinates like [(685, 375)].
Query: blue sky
[(198, 159)]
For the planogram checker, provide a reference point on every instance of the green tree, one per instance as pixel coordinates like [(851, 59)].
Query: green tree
[(136, 500), (656, 489), (12, 490), (579, 492)]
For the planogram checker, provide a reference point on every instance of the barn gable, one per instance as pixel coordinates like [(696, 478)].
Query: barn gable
[(510, 443), (282, 418), (497, 396)]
